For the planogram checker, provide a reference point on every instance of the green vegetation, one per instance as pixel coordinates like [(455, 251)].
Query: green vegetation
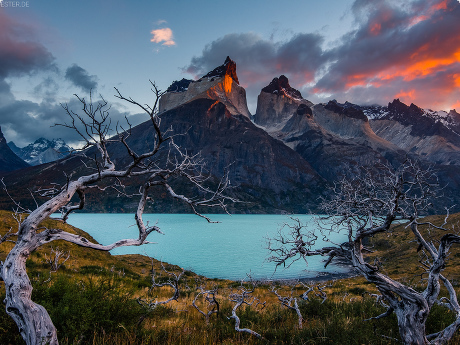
[(93, 299)]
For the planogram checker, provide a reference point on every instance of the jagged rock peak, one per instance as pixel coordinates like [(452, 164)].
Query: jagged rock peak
[(281, 86), (397, 106), (9, 161), (221, 84), (228, 68), (454, 113), (347, 109), (404, 113), (42, 151), (179, 85), (2, 137), (400, 108)]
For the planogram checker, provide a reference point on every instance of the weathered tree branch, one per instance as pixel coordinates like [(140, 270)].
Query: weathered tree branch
[(211, 304), (368, 205), (172, 282), (243, 297), (93, 125), (57, 258)]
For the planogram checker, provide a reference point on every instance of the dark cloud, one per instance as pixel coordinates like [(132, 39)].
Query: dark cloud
[(407, 49), (252, 54), (23, 121), (302, 56), (410, 51), (259, 60), (80, 78), (5, 92), (20, 53), (391, 40)]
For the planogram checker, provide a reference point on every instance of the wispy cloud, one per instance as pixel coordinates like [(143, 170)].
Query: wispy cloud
[(164, 35), (161, 21)]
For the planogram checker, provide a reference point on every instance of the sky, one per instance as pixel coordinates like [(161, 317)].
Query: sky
[(361, 51)]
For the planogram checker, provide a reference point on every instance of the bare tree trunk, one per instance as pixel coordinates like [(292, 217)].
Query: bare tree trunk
[(411, 307), (411, 323), (367, 205), (32, 319), (34, 322)]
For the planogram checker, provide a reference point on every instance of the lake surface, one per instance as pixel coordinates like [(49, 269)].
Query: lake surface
[(230, 249)]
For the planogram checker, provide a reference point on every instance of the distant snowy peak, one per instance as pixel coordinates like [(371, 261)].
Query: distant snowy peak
[(60, 145), (412, 114), (374, 112), (42, 151), (42, 144), (280, 86), (449, 119)]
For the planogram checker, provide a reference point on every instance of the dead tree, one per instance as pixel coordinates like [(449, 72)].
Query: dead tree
[(310, 289), (172, 282), (243, 296), (368, 205), (211, 304), (290, 301), (321, 293), (57, 258), (94, 126)]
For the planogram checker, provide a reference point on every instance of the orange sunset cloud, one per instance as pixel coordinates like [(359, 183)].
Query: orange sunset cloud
[(164, 35)]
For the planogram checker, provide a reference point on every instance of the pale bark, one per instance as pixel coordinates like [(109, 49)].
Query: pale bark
[(211, 304), (56, 259), (173, 283), (243, 297), (290, 302), (33, 321), (366, 206), (93, 126)]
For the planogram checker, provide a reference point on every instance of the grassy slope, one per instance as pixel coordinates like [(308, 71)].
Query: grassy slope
[(91, 299)]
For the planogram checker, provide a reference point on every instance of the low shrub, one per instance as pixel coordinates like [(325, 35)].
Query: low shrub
[(78, 308)]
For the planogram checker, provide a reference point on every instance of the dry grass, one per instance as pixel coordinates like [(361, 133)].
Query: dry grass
[(338, 320)]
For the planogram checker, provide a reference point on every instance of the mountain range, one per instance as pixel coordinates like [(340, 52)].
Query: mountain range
[(282, 158), (42, 151)]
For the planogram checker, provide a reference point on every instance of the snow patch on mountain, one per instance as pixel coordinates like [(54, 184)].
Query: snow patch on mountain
[(374, 112), (449, 119), (42, 151)]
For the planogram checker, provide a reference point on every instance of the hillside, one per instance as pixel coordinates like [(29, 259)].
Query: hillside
[(9, 161), (281, 160), (92, 299)]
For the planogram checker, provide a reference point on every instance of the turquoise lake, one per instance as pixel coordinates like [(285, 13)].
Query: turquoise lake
[(230, 249)]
